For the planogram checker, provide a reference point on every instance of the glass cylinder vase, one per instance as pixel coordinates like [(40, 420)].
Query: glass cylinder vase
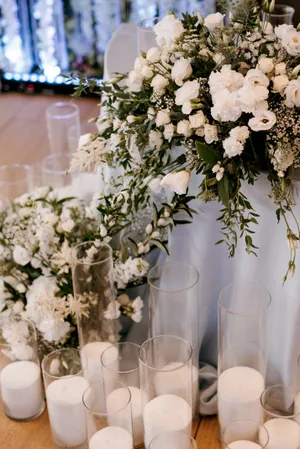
[(281, 408), (242, 310), (245, 434), (173, 440), (94, 290), (15, 180), (166, 382), (174, 308), (60, 117), (20, 374)]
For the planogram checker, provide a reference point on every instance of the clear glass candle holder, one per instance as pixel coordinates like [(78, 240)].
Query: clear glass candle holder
[(237, 433), (166, 382), (125, 369), (281, 408), (15, 180), (282, 14), (75, 132), (242, 309), (56, 175), (108, 416), (173, 440), (20, 373), (64, 381), (146, 38), (60, 117), (174, 302)]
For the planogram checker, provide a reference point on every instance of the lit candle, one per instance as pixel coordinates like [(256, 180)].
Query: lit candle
[(239, 391), (66, 410), (114, 402), (111, 438), (283, 434), (21, 389), (92, 354), (175, 381), (166, 412), (243, 444)]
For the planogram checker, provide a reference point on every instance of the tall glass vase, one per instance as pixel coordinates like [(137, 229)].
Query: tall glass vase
[(242, 310), (174, 308), (94, 292)]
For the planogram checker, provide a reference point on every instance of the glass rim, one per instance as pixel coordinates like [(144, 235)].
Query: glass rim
[(60, 104), (27, 168), (55, 156), (232, 312), (172, 432), (275, 415), (182, 364), (117, 345), (83, 366), (175, 262), (19, 318), (289, 11), (78, 262), (141, 23), (260, 426), (102, 384)]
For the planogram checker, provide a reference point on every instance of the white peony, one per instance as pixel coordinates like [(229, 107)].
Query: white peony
[(291, 42), (282, 30), (226, 108), (210, 133), (225, 79), (153, 55), (169, 131), (265, 65), (292, 93), (280, 69), (177, 182), (21, 255), (262, 121), (168, 30), (159, 82), (240, 133), (181, 70), (213, 21), (155, 139), (280, 82), (197, 120), (163, 118), (183, 127), (189, 91), (232, 147)]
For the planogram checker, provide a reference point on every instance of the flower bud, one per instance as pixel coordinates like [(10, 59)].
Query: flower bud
[(149, 229)]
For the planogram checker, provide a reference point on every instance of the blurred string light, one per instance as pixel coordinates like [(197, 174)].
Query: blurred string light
[(142, 9), (205, 7), (107, 16), (81, 36)]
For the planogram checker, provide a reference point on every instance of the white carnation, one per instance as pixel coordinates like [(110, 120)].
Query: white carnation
[(232, 147), (113, 311), (189, 91), (177, 182), (213, 21), (168, 30), (280, 82), (163, 118), (262, 121), (159, 82), (226, 107), (265, 65), (183, 127), (153, 55), (197, 120), (21, 255), (225, 79), (240, 133), (210, 133), (155, 139), (292, 93), (181, 70)]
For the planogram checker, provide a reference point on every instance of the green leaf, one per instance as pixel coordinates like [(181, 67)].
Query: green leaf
[(159, 245), (223, 190), (207, 153), (155, 215)]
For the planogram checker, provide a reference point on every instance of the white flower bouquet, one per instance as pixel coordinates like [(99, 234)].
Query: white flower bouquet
[(37, 233), (229, 95)]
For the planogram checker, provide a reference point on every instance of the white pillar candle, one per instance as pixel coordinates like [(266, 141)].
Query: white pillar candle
[(92, 357), (175, 382), (111, 438), (283, 434), (21, 389), (66, 410), (239, 391), (114, 402), (166, 412), (243, 444)]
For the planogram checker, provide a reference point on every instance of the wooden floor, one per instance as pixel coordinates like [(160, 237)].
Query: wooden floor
[(23, 139)]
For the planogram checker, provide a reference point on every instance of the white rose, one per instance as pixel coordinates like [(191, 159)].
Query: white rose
[(153, 55), (210, 133), (280, 82), (291, 42), (134, 81), (213, 21), (292, 93), (262, 121), (155, 139), (159, 82), (225, 79), (197, 120), (240, 133), (169, 131), (282, 30), (226, 108), (139, 63), (68, 225), (181, 70), (177, 182), (187, 108), (168, 30), (162, 118), (21, 255), (147, 72), (266, 65), (183, 127), (189, 91), (280, 69), (232, 147)]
